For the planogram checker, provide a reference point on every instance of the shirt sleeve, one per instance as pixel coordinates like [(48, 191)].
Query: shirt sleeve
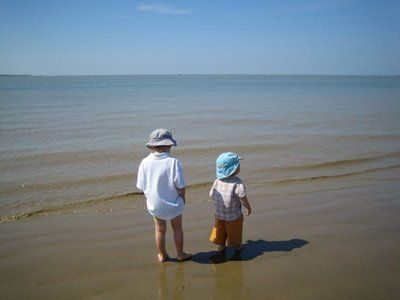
[(179, 179), (140, 178), (240, 190)]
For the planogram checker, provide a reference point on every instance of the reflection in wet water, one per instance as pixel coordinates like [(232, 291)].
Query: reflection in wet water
[(228, 280), (171, 282), (225, 272)]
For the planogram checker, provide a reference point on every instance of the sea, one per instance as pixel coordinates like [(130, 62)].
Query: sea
[(72, 144)]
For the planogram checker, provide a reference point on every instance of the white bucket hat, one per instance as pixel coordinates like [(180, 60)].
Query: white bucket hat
[(161, 137)]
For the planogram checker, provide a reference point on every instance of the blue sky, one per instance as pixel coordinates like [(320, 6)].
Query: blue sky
[(76, 37)]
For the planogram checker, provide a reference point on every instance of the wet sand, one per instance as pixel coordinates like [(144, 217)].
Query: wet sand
[(335, 243)]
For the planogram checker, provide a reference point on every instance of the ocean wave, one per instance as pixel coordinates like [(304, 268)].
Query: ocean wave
[(368, 137), (50, 159), (76, 207), (341, 175), (24, 188), (68, 207), (340, 163), (60, 184), (245, 148)]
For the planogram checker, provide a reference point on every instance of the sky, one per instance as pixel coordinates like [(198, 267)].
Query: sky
[(112, 37)]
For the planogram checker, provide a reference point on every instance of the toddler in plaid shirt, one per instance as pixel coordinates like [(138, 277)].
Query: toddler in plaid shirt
[(229, 194)]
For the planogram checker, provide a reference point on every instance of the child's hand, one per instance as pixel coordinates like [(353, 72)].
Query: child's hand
[(248, 211), (181, 192), (246, 204)]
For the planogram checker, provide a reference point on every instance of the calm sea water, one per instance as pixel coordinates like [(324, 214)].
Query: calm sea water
[(69, 141)]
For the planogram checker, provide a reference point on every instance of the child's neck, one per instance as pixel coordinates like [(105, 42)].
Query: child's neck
[(159, 152), (162, 149)]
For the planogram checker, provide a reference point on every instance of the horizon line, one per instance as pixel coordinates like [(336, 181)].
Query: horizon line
[(198, 74)]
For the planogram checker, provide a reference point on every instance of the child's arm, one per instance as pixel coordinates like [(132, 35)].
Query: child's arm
[(181, 192), (246, 204)]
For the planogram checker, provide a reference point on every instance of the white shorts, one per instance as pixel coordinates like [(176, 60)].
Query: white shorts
[(165, 210)]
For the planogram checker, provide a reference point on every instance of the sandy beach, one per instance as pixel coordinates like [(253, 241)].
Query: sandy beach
[(337, 243)]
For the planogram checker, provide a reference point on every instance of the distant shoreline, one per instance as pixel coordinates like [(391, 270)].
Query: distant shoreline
[(188, 75), (14, 75)]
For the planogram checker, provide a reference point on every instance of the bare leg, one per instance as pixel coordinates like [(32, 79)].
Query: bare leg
[(160, 230), (176, 224)]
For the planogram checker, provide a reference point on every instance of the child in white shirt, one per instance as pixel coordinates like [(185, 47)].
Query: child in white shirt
[(161, 179)]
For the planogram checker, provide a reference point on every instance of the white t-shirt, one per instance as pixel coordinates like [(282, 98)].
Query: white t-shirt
[(159, 176)]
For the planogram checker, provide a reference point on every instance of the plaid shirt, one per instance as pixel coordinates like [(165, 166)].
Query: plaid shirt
[(226, 194)]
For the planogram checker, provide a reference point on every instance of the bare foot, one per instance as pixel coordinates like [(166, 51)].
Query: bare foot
[(221, 248), (185, 256), (162, 258), (239, 248)]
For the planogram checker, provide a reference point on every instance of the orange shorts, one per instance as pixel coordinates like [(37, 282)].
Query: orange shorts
[(227, 232)]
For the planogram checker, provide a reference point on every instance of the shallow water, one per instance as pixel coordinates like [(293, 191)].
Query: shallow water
[(69, 142)]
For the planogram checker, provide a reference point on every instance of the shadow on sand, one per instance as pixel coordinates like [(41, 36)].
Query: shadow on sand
[(251, 249)]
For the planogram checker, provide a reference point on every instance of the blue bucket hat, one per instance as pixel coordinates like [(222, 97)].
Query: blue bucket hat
[(227, 163)]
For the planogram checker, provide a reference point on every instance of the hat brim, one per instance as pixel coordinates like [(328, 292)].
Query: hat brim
[(165, 142), (225, 173)]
